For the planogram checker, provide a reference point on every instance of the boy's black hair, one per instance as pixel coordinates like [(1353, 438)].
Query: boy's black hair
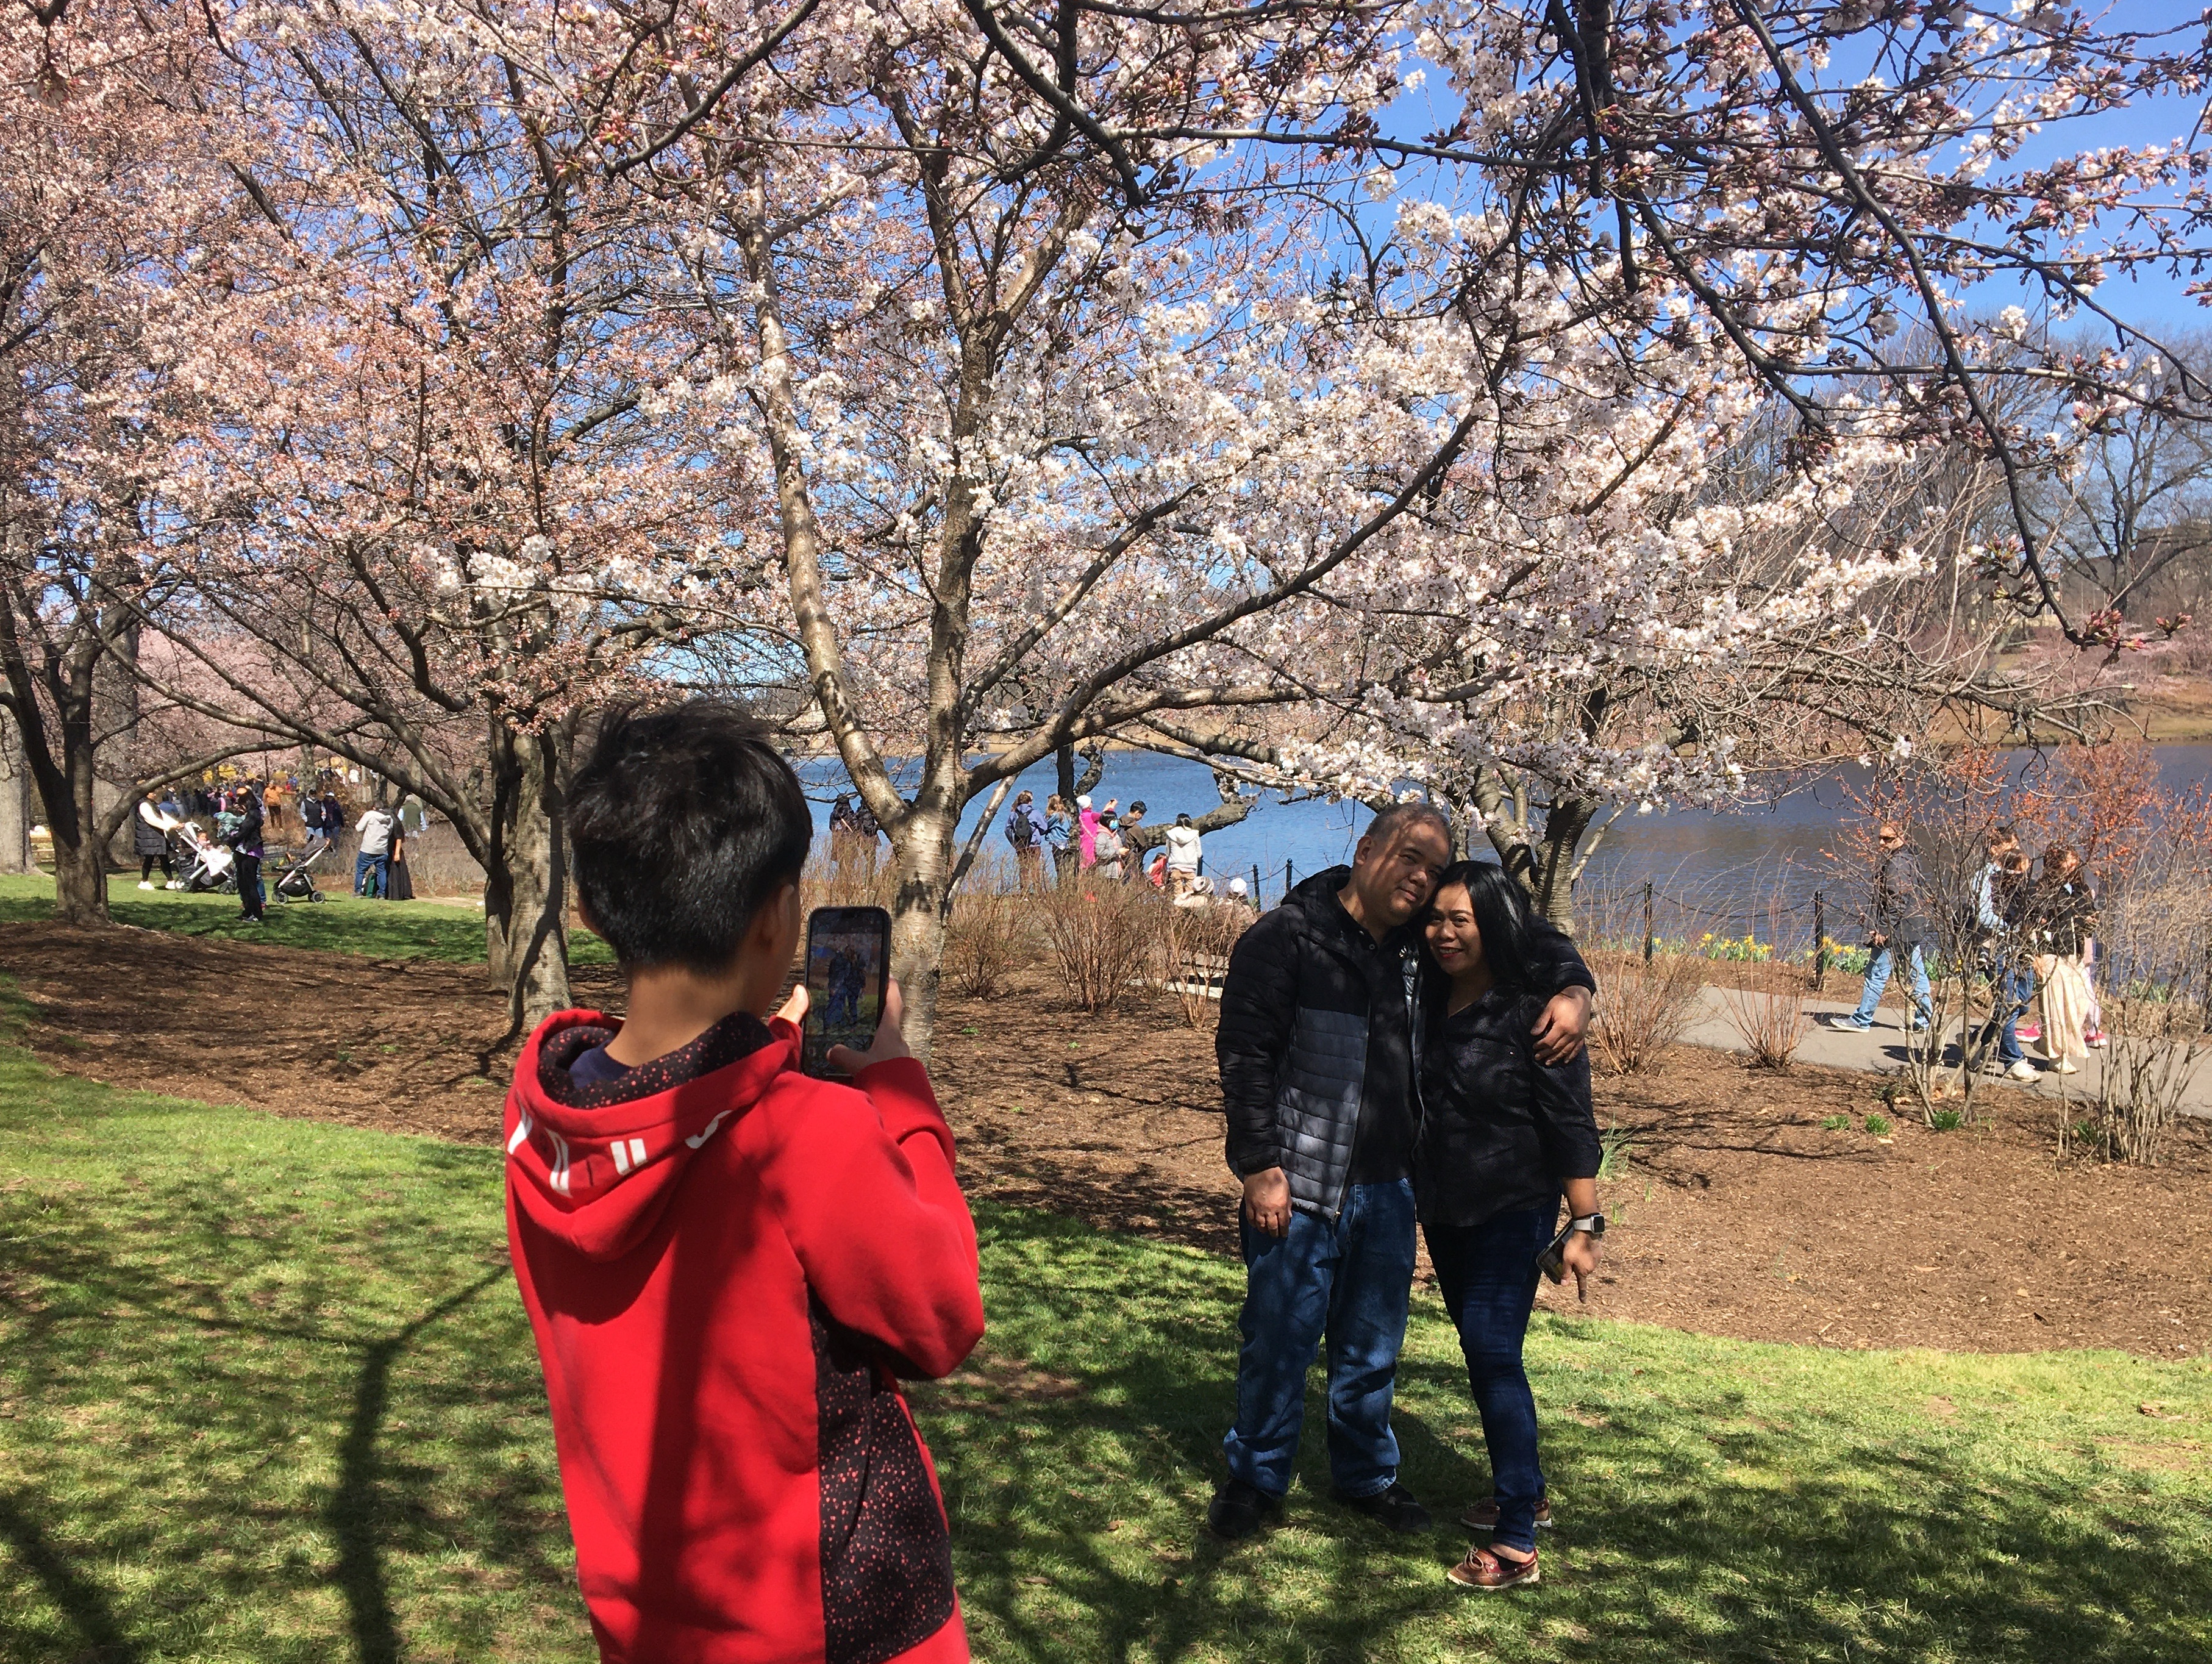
[(682, 820)]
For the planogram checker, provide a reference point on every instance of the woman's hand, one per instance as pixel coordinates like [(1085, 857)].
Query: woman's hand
[(1581, 1253)]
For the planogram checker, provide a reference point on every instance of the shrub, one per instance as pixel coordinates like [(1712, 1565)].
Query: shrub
[(1192, 948), (1946, 1120), (1770, 1020), (979, 940), (1642, 1006), (1878, 1125), (1103, 936)]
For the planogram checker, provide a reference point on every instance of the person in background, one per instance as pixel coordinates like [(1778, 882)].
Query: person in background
[(2013, 984), (846, 838), (1199, 898), (2061, 918), (374, 861), (1897, 925), (398, 882), (1238, 896), (1086, 837), (1503, 1136), (1106, 849), (2014, 893), (244, 841), (152, 827), (1059, 836), (1025, 833), (1319, 1043), (1185, 853)]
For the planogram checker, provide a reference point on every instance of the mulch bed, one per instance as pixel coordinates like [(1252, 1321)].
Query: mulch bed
[(1736, 1213)]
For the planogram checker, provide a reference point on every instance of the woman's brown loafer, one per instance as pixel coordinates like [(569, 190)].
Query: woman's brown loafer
[(1483, 1569)]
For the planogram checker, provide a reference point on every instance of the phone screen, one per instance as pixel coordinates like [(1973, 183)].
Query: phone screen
[(848, 951)]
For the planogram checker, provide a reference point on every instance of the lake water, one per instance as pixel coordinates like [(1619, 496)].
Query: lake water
[(1730, 872)]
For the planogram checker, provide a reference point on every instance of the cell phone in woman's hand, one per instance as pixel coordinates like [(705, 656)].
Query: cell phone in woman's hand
[(1552, 1261)]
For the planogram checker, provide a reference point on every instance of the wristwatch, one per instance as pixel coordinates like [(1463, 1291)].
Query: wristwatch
[(1592, 1222)]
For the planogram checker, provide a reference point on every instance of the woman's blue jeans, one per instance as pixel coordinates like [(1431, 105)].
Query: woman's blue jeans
[(1488, 1274), (1347, 1278)]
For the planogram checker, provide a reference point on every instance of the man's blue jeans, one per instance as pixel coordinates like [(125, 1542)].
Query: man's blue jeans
[(1487, 1275), (372, 868), (1877, 979), (2016, 986), (1348, 1280)]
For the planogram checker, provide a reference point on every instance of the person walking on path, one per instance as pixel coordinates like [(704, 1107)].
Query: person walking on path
[(2062, 918), (1059, 836), (1318, 1046), (244, 841), (1897, 925), (1185, 852), (2002, 942), (151, 829), (1025, 832), (372, 864), (1502, 1137)]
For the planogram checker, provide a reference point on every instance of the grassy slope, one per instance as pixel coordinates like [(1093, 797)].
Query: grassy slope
[(266, 1393), (381, 930)]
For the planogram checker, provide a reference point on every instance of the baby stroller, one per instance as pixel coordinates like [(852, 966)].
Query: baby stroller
[(295, 882), (205, 867)]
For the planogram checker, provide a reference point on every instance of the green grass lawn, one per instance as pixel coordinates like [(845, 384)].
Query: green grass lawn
[(340, 924), (266, 1393)]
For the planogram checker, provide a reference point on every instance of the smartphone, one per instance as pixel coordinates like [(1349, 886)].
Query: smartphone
[(1552, 1261), (848, 965)]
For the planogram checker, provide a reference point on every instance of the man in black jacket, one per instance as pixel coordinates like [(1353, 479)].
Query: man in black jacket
[(1318, 1048)]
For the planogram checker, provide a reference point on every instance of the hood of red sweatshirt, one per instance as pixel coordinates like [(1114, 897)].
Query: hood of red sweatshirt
[(600, 1177)]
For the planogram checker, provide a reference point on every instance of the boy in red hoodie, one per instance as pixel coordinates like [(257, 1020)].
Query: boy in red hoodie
[(728, 1263)]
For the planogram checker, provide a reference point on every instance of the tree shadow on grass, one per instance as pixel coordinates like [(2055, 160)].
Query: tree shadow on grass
[(79, 1600), (1701, 1520)]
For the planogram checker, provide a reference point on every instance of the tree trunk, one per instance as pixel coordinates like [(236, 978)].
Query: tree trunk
[(17, 801), (80, 856), (526, 880), (922, 856), (1564, 823)]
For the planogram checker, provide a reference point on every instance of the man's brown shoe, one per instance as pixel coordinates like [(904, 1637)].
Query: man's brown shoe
[(1483, 1569), (1483, 1515)]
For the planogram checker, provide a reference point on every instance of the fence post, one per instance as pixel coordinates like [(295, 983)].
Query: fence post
[(1647, 922), (1289, 880), (1820, 940), (1256, 901)]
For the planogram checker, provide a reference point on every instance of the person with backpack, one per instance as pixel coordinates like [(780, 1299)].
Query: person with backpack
[(1026, 831)]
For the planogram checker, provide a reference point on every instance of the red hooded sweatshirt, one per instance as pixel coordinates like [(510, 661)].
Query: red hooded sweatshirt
[(726, 1265)]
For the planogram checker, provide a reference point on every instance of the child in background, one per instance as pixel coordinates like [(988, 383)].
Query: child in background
[(728, 1263)]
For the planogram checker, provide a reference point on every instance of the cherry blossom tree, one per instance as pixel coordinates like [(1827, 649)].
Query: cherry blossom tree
[(465, 493), (119, 220)]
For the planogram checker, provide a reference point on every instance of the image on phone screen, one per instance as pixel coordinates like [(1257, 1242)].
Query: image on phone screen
[(847, 961)]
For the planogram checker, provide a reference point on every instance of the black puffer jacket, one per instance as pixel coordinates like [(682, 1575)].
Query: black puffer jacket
[(1318, 1042), (1499, 1130)]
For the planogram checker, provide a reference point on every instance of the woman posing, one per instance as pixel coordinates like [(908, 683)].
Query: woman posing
[(1502, 1136), (2063, 918)]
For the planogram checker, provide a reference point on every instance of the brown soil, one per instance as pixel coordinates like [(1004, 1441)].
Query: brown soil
[(1736, 1213)]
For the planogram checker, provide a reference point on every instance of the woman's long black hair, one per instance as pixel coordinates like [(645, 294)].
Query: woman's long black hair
[(1502, 914)]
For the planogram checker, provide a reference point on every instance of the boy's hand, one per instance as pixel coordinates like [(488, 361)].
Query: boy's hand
[(889, 1041), (793, 1010)]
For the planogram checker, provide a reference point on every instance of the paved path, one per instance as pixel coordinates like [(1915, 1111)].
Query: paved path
[(1881, 1049)]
